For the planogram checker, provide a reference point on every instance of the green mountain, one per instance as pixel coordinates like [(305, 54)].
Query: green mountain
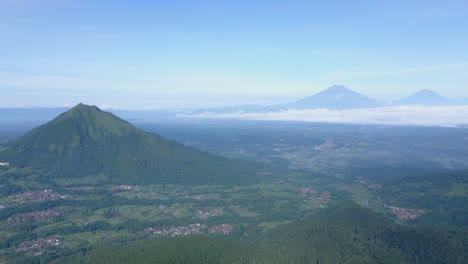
[(86, 141), (349, 233)]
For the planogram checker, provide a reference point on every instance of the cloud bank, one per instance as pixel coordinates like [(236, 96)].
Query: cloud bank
[(446, 116)]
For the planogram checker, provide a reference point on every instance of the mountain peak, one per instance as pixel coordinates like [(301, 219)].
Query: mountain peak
[(334, 97), (336, 89), (87, 113), (84, 108), (424, 97), (427, 92)]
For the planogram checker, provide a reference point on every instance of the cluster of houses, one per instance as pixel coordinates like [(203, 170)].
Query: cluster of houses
[(114, 188), (201, 197), (328, 144), (38, 196), (223, 229), (34, 216), (192, 229), (81, 188), (126, 188), (323, 198), (38, 246), (306, 191), (312, 194), (405, 214), (202, 215)]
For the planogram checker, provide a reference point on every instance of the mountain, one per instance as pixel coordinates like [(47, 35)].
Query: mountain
[(335, 97), (86, 141), (424, 97), (461, 101), (349, 233)]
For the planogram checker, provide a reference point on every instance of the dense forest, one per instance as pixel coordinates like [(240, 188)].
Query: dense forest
[(195, 249), (348, 233)]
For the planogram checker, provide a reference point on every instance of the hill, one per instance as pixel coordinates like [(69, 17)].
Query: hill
[(335, 97), (86, 141), (425, 97), (348, 233), (197, 249), (441, 193)]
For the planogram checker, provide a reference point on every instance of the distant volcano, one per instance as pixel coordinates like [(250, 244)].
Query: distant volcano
[(424, 97), (335, 97)]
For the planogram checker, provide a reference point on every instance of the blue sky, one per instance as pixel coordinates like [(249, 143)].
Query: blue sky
[(174, 54)]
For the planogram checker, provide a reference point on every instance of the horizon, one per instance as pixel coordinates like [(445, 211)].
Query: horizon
[(388, 103), (192, 54)]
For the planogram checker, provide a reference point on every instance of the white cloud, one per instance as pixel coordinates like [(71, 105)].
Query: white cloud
[(449, 116)]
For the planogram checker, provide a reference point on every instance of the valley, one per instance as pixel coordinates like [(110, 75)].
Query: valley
[(305, 170)]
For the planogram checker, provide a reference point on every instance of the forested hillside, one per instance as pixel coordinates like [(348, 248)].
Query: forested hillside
[(443, 194), (195, 250), (348, 233), (345, 233), (86, 141)]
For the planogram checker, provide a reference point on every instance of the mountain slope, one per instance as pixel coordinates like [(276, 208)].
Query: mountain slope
[(335, 97), (86, 141), (195, 249), (348, 233), (424, 97)]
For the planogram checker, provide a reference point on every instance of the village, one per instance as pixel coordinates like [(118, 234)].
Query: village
[(312, 195), (38, 196), (192, 229), (201, 197), (327, 145), (38, 246), (405, 214), (36, 216), (114, 188), (202, 215)]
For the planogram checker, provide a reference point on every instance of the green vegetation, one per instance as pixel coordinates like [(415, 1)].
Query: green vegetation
[(442, 193), (194, 249), (348, 233), (89, 187), (344, 233), (86, 141)]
